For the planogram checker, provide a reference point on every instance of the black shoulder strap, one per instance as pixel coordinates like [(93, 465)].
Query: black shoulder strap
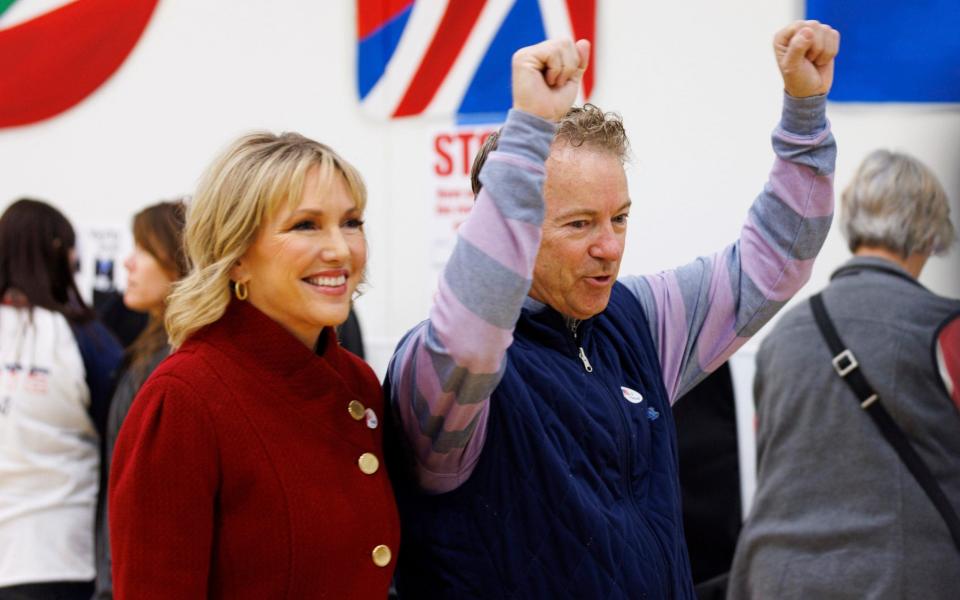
[(846, 365)]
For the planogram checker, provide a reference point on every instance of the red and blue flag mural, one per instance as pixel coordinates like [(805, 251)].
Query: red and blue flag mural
[(894, 51), (445, 58)]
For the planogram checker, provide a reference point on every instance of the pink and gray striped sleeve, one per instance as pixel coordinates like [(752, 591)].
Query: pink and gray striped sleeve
[(444, 371), (702, 312)]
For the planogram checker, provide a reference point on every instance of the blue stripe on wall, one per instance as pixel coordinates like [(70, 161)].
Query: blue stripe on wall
[(374, 51), (489, 91)]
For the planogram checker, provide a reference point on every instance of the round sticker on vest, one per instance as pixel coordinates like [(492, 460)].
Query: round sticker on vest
[(632, 396), (372, 421)]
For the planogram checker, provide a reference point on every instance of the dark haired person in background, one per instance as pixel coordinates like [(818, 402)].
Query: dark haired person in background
[(157, 261), (709, 459), (57, 362)]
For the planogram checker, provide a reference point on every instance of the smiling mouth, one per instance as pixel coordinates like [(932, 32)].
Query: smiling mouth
[(328, 282)]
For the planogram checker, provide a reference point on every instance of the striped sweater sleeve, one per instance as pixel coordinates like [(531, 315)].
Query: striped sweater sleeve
[(702, 312), (444, 371)]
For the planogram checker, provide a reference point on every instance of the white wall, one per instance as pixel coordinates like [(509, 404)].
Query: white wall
[(695, 82)]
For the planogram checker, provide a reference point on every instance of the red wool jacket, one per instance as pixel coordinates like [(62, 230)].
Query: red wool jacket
[(246, 469)]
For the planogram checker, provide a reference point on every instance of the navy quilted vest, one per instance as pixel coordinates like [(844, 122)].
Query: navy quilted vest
[(575, 494)]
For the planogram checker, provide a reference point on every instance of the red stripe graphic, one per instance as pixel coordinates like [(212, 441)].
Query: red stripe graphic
[(583, 18), (51, 63), (448, 39), (372, 14)]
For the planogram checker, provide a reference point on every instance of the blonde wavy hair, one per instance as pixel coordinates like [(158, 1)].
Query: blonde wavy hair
[(252, 178)]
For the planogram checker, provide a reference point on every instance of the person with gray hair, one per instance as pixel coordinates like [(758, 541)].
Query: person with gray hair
[(896, 204), (838, 513)]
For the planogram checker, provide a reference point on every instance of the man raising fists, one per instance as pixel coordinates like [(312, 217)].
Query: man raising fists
[(533, 406)]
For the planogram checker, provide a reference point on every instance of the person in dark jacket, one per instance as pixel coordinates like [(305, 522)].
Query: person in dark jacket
[(709, 473), (837, 513), (57, 363), (157, 261), (534, 404)]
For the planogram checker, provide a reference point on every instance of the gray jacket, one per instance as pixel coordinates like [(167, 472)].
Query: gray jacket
[(837, 515)]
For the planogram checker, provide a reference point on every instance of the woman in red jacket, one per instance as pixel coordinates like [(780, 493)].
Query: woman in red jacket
[(250, 465)]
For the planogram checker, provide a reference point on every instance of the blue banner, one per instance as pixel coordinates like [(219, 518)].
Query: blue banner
[(894, 50)]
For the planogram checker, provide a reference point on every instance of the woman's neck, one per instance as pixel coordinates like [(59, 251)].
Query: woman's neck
[(912, 264)]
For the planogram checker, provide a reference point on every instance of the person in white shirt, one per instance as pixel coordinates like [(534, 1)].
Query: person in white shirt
[(56, 364)]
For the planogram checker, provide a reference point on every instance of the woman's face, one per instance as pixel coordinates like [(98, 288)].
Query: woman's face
[(148, 283), (307, 260)]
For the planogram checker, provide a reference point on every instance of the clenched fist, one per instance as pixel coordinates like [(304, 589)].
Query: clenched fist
[(805, 51), (546, 77)]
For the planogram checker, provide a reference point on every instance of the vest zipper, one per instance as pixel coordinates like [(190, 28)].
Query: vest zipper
[(573, 324), (626, 465), (586, 363), (626, 448)]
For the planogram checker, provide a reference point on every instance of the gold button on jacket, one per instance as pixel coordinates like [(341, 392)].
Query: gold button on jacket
[(356, 410), (368, 463), (381, 555)]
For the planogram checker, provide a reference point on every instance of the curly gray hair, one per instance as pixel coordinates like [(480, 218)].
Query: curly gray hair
[(585, 125)]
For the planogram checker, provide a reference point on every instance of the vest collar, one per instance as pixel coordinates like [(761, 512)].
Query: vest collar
[(553, 328), (859, 264)]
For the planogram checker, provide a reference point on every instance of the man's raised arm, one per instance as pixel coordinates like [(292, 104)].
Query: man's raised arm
[(444, 370), (701, 313)]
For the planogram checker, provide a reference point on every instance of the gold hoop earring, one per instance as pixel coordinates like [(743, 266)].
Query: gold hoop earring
[(240, 290)]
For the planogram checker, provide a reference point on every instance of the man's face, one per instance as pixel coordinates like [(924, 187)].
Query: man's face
[(584, 230)]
